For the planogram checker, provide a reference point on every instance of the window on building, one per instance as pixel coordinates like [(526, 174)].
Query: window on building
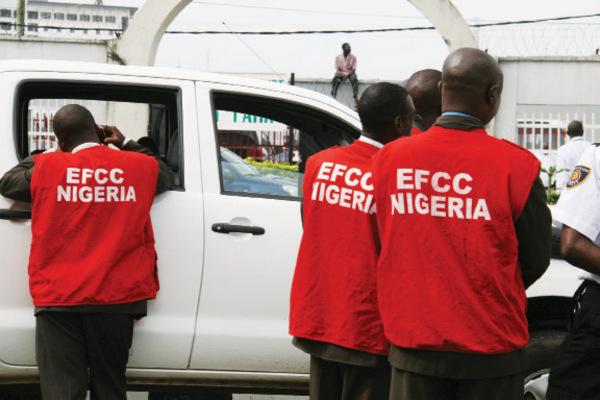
[(45, 15), (97, 18), (98, 31), (111, 19), (72, 17), (59, 16), (85, 31), (32, 15), (84, 17), (32, 27), (72, 30), (5, 26), (5, 13)]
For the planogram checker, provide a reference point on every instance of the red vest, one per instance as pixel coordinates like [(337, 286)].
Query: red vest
[(334, 297), (92, 239), (449, 276), (415, 131)]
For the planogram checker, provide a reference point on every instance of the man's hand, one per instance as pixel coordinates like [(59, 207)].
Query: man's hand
[(112, 135)]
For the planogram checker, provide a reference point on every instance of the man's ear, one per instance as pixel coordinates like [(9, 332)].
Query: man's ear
[(402, 126), (493, 95)]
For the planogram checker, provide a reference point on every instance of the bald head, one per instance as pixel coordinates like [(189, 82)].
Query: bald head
[(471, 83), (423, 88), (386, 111), (74, 125)]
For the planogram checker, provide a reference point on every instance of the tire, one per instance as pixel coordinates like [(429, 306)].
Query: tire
[(540, 353)]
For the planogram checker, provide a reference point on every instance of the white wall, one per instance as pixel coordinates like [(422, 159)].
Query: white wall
[(555, 89), (30, 48)]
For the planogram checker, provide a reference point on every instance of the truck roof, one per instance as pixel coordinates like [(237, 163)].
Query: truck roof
[(165, 73)]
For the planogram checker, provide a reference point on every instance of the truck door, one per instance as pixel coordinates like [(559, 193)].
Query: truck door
[(164, 112), (253, 223)]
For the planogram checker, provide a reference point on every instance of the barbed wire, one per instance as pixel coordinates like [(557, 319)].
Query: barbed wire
[(543, 40)]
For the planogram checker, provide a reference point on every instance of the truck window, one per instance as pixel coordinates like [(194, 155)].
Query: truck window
[(147, 115), (263, 143)]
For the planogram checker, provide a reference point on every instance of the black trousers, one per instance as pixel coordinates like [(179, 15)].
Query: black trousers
[(409, 386), (575, 374), (330, 380), (77, 351), (337, 81)]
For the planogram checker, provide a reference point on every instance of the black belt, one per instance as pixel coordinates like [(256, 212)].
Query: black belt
[(579, 293)]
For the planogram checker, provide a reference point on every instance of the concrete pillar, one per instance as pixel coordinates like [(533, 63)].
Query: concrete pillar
[(138, 44), (448, 21)]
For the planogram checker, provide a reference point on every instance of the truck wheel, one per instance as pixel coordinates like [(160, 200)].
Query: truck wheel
[(540, 353)]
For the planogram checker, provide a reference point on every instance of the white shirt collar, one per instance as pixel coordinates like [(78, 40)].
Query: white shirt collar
[(576, 138), (84, 146), (370, 141)]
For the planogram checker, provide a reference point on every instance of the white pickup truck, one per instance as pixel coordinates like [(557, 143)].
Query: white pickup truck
[(227, 233)]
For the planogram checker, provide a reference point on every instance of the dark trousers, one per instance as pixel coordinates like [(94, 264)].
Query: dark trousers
[(409, 386), (575, 374), (77, 351), (337, 81), (330, 380)]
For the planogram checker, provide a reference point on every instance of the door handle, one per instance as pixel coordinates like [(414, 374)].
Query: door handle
[(7, 213), (228, 228)]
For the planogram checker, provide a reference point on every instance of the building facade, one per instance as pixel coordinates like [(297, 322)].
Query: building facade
[(46, 19)]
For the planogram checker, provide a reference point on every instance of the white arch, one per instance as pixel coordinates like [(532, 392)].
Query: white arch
[(138, 44), (448, 21), (140, 41)]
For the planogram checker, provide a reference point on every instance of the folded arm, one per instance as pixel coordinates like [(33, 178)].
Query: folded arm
[(165, 173), (15, 184)]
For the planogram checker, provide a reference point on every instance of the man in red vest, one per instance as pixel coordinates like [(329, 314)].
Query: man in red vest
[(92, 263), (334, 315), (464, 229), (423, 88)]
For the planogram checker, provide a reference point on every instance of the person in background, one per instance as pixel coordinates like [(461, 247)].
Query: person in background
[(458, 249), (569, 153), (576, 369), (345, 68), (92, 264), (334, 315), (423, 88)]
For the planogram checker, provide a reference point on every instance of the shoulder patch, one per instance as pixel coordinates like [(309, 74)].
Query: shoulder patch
[(578, 176)]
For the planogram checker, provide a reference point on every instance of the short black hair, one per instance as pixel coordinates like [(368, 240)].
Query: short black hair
[(575, 128), (380, 104), (73, 122), (345, 44)]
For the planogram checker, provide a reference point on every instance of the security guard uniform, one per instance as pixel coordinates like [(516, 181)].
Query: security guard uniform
[(575, 374)]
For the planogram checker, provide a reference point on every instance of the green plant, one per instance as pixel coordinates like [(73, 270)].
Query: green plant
[(281, 169), (551, 194)]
